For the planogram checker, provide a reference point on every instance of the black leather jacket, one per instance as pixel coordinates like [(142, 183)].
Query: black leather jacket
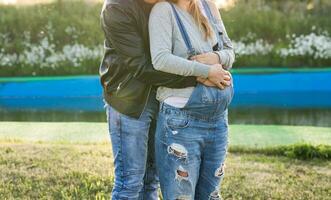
[(126, 72)]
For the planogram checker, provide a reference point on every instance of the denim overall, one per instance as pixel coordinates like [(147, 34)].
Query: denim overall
[(191, 142)]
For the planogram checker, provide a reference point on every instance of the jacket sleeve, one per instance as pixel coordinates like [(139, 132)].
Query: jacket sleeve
[(120, 28)]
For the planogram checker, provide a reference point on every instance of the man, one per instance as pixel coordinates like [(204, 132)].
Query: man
[(129, 86)]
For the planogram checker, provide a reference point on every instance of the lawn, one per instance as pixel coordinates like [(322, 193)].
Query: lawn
[(69, 35), (86, 132), (73, 161)]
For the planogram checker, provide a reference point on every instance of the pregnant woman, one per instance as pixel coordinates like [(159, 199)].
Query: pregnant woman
[(192, 130)]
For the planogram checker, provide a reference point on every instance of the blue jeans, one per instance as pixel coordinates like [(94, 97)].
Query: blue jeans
[(133, 151), (191, 145)]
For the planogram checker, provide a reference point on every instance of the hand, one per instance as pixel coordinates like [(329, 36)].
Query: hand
[(206, 82), (209, 58), (220, 77)]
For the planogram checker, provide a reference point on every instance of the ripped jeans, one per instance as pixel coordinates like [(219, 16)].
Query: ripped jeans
[(191, 145)]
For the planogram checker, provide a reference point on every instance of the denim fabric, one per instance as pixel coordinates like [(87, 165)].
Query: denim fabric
[(191, 145), (133, 150)]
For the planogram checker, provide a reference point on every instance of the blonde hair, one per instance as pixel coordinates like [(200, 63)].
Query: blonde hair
[(200, 19)]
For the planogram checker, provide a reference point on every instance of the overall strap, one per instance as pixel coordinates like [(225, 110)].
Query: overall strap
[(213, 23), (183, 31)]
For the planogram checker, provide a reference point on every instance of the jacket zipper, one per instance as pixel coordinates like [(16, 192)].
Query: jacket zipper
[(123, 83)]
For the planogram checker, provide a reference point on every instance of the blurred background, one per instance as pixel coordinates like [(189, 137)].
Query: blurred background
[(50, 96)]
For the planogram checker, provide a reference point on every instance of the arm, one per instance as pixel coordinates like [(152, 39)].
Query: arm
[(161, 36), (226, 56), (120, 29)]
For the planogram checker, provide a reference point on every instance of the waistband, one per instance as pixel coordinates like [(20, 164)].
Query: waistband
[(168, 109)]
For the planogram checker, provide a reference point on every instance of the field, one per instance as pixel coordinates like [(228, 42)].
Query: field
[(73, 161), (85, 133)]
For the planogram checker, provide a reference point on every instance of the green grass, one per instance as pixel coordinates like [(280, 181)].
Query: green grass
[(63, 171), (86, 132), (41, 160), (46, 171)]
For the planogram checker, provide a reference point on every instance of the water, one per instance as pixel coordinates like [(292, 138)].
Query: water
[(308, 117), (289, 98)]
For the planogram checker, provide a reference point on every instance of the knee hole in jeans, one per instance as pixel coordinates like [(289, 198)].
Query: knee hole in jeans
[(183, 197), (220, 171), (215, 195), (181, 174), (177, 150)]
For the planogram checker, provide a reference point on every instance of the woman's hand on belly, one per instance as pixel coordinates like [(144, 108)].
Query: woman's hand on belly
[(208, 83), (209, 58), (218, 76)]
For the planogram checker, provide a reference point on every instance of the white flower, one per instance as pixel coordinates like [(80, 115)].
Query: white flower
[(7, 60), (72, 31), (312, 45), (44, 54), (258, 47), (77, 53)]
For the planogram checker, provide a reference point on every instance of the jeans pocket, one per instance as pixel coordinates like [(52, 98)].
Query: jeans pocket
[(213, 95), (177, 122), (218, 98), (209, 95)]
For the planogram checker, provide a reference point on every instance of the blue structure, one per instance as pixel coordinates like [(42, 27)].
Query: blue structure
[(283, 90), (84, 93)]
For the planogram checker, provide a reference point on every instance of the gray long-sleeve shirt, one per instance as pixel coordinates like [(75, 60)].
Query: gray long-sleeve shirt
[(168, 50)]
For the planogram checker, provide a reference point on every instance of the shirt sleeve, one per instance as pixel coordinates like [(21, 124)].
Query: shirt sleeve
[(161, 26), (226, 55)]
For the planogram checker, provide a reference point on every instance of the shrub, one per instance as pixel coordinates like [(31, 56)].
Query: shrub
[(299, 151)]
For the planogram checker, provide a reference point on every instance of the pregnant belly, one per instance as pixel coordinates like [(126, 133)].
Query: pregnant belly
[(209, 100)]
